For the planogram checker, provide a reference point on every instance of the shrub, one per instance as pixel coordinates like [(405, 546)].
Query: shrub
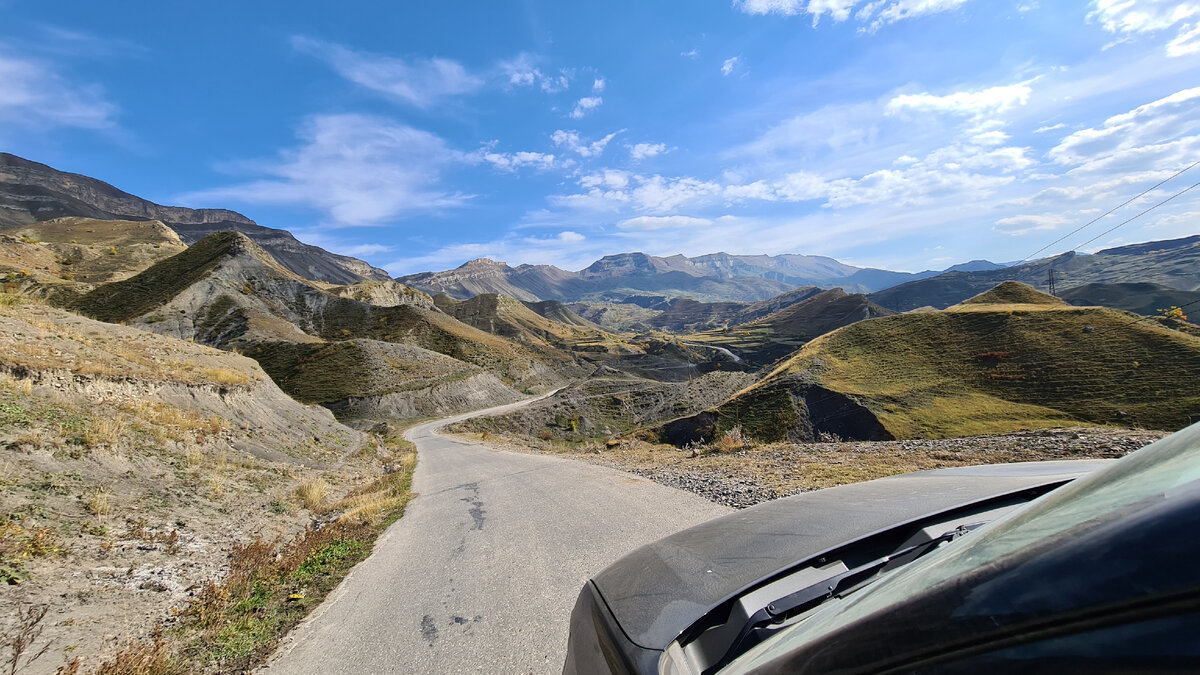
[(732, 440)]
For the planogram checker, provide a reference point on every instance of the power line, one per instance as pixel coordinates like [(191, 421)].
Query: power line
[(1193, 186), (1109, 212)]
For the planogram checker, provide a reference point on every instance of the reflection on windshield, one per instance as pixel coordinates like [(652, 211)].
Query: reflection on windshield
[(1149, 473)]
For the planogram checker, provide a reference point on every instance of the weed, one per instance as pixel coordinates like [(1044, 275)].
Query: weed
[(21, 637), (311, 493), (98, 504), (140, 658)]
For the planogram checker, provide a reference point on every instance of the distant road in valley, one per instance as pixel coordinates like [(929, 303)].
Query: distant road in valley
[(482, 571)]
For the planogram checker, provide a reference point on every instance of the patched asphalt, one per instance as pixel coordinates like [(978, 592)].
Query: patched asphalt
[(482, 571)]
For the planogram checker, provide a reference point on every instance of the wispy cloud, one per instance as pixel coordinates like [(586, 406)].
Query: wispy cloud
[(36, 96), (729, 64), (586, 105), (663, 223), (571, 140), (510, 162), (419, 82), (873, 14), (1126, 18), (1171, 119), (355, 169), (990, 100), (640, 151), (524, 71)]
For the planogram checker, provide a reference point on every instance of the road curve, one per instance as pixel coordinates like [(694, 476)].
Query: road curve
[(482, 571)]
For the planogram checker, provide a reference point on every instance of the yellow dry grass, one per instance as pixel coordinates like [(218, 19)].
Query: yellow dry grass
[(311, 493)]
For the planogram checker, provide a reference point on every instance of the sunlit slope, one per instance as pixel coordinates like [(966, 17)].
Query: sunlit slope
[(781, 333), (227, 291), (982, 367)]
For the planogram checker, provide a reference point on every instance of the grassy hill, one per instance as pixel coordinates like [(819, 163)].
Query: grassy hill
[(979, 367), (779, 334)]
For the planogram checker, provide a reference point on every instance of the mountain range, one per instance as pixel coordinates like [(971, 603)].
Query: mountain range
[(31, 192)]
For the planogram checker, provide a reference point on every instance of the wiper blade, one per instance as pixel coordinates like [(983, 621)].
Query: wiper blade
[(836, 586)]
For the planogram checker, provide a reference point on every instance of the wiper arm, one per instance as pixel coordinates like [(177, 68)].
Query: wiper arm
[(836, 586)]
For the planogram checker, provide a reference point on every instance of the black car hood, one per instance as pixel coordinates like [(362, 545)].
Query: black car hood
[(660, 589)]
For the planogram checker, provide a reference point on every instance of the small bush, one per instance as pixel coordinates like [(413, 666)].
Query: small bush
[(732, 441)]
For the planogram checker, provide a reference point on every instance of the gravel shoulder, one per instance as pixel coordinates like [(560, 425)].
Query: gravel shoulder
[(744, 476)]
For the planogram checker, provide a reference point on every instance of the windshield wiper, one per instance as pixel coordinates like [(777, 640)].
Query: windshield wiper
[(836, 586)]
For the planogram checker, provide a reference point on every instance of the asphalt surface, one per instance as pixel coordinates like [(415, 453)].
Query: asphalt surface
[(482, 571)]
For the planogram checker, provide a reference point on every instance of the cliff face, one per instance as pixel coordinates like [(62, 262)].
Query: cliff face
[(31, 192)]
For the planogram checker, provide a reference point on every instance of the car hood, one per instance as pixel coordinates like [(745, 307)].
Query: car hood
[(659, 590)]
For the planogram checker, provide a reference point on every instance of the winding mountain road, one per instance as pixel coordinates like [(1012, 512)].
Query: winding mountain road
[(482, 571)]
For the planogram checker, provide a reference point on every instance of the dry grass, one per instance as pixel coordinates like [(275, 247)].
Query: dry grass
[(312, 493), (23, 386), (225, 376), (99, 503), (104, 431), (170, 422)]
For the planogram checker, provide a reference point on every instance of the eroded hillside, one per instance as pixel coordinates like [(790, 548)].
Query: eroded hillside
[(134, 464)]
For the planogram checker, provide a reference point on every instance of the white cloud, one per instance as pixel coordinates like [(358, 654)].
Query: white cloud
[(642, 223), (523, 71), (691, 54), (881, 13), (974, 103), (419, 82), (657, 194), (1169, 119), (573, 142), (1024, 224), (875, 13), (608, 178), (729, 65), (35, 96), (598, 84), (585, 105), (1186, 42), (1051, 127), (565, 237), (1126, 18), (356, 169), (641, 151), (509, 162)]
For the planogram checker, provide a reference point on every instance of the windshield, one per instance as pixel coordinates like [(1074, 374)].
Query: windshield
[(1148, 474)]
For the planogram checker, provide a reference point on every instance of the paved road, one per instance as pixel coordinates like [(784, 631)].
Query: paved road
[(482, 571)]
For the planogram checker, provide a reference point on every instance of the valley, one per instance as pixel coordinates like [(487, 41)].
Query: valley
[(202, 417)]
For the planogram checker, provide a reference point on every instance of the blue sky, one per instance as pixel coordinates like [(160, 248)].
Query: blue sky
[(906, 134)]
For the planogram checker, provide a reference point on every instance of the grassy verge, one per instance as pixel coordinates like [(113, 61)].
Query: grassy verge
[(235, 623)]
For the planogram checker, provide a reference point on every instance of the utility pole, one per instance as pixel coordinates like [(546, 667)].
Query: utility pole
[(1050, 281)]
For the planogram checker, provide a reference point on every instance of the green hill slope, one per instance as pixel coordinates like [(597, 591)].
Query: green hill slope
[(975, 368), (779, 334)]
